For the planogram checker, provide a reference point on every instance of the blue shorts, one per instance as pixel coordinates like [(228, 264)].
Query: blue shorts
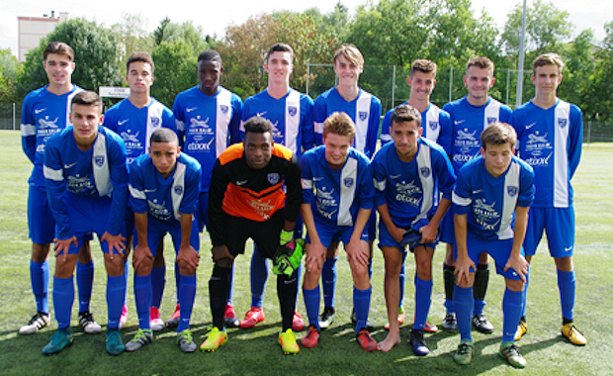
[(40, 218), (156, 230), (447, 227), (372, 225), (500, 250), (386, 240), (328, 234), (558, 224), (129, 223), (202, 211)]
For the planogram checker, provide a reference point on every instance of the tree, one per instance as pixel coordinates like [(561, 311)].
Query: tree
[(169, 31), (600, 104), (175, 70), (9, 68), (578, 73), (132, 36)]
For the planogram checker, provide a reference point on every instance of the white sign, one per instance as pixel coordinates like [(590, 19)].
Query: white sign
[(113, 92)]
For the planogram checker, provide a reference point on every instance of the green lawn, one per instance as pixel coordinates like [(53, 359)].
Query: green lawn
[(255, 352)]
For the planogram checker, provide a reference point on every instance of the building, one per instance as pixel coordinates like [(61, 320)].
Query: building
[(32, 29)]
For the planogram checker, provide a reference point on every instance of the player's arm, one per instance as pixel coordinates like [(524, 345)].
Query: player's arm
[(365, 196), (187, 257), (179, 117), (217, 191), (445, 137), (385, 128), (373, 127), (308, 129), (430, 231), (319, 116), (446, 180), (516, 260), (168, 120), (391, 227), (141, 250), (293, 185), (463, 263), (316, 252), (380, 184), (28, 131), (576, 140), (119, 178), (235, 122)]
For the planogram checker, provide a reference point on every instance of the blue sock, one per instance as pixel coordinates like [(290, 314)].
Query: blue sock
[(328, 277), (158, 282), (39, 276), (449, 306), (524, 296), (186, 300), (85, 281), (115, 292), (361, 302), (177, 280), (370, 269), (126, 274), (230, 288), (567, 285), (142, 296), (259, 275), (511, 312), (463, 301), (402, 279), (423, 295), (311, 304), (63, 297)]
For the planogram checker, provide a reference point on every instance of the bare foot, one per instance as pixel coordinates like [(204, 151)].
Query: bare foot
[(390, 341)]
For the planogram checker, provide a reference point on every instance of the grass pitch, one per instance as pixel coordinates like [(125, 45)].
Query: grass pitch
[(256, 352)]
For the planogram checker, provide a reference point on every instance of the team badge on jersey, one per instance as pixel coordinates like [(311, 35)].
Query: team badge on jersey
[(292, 111), (425, 172), (433, 125), (562, 122), (179, 189), (348, 182), (224, 108), (363, 115), (491, 120), (512, 190), (99, 160), (274, 178), (155, 122)]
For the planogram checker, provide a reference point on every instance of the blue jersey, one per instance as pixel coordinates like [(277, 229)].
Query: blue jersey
[(165, 199), (550, 141), (135, 125), (336, 196), (43, 114), (291, 116), (411, 190), (365, 110), (468, 123), (207, 125), (490, 202), (436, 125), (98, 173)]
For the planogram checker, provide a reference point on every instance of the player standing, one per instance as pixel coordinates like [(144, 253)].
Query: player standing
[(470, 116), (291, 114), (550, 133), (365, 111), (492, 191), (45, 112), (87, 186), (409, 176)]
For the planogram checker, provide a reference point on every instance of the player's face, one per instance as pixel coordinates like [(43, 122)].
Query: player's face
[(279, 66), (85, 120), (421, 84), (209, 73), (497, 158), (348, 72), (258, 149), (405, 135), (337, 148), (59, 69), (164, 156), (478, 81), (546, 79), (140, 77)]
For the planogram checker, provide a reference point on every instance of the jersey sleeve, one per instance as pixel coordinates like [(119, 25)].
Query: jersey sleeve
[(445, 175), (168, 120), (366, 190), (445, 138), (138, 198), (379, 178), (110, 119), (28, 130), (235, 122), (373, 127), (56, 187), (217, 191), (319, 116), (292, 180), (526, 187), (462, 194), (179, 115), (118, 169), (385, 128), (189, 204), (306, 179), (308, 129), (504, 114), (576, 140)]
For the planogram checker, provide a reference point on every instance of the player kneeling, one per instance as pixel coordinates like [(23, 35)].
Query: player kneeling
[(491, 189), (164, 191)]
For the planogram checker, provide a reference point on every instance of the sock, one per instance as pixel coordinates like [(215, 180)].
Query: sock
[(230, 288), (463, 301), (177, 280), (259, 275), (115, 293), (525, 296), (361, 302), (142, 296), (85, 281), (449, 279), (218, 292), (328, 276), (126, 274), (423, 294), (186, 300), (298, 279), (311, 304), (39, 276), (286, 291), (63, 297), (482, 277), (158, 282), (567, 285), (402, 279), (370, 269), (511, 312)]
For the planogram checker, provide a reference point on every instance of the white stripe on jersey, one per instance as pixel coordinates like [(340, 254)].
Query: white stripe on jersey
[(28, 130), (560, 175), (319, 127), (491, 111), (433, 116), (100, 166), (292, 122), (52, 174), (176, 192), (306, 183), (137, 193), (380, 185), (461, 201), (386, 137), (424, 167), (349, 174), (224, 100), (154, 112), (509, 202), (361, 122)]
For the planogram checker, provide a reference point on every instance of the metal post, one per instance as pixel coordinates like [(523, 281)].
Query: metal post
[(450, 83), (589, 131), (520, 73), (394, 86), (508, 84), (307, 78), (14, 115)]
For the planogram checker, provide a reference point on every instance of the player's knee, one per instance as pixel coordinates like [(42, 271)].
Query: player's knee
[(466, 282), (515, 285), (40, 252), (484, 259), (158, 260), (65, 269), (224, 262), (114, 266), (564, 264), (144, 268)]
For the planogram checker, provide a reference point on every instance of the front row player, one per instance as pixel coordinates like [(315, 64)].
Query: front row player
[(338, 199), (247, 200), (164, 191), (490, 190), (87, 185), (409, 175)]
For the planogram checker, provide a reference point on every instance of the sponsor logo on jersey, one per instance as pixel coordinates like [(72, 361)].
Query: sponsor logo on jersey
[(363, 115), (538, 160), (155, 122), (38, 111), (530, 126), (191, 109), (292, 111), (464, 135), (433, 125), (99, 160), (179, 189), (348, 182), (512, 190), (67, 166), (273, 178), (200, 146), (562, 122), (224, 108), (260, 114), (127, 137), (46, 123), (486, 215), (458, 122), (425, 172), (122, 122)]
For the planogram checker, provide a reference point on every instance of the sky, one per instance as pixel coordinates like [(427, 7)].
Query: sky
[(215, 16)]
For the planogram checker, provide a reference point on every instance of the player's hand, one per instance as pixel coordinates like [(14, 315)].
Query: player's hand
[(462, 269), (115, 243), (519, 264), (428, 233), (357, 252), (142, 253), (220, 252), (62, 246), (396, 233), (315, 256), (188, 260)]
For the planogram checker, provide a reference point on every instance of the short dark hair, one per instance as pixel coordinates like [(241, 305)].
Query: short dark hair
[(58, 48), (424, 66), (480, 62), (497, 134), (258, 124), (210, 55), (280, 47), (140, 56), (87, 98), (339, 123), (164, 135), (404, 113)]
